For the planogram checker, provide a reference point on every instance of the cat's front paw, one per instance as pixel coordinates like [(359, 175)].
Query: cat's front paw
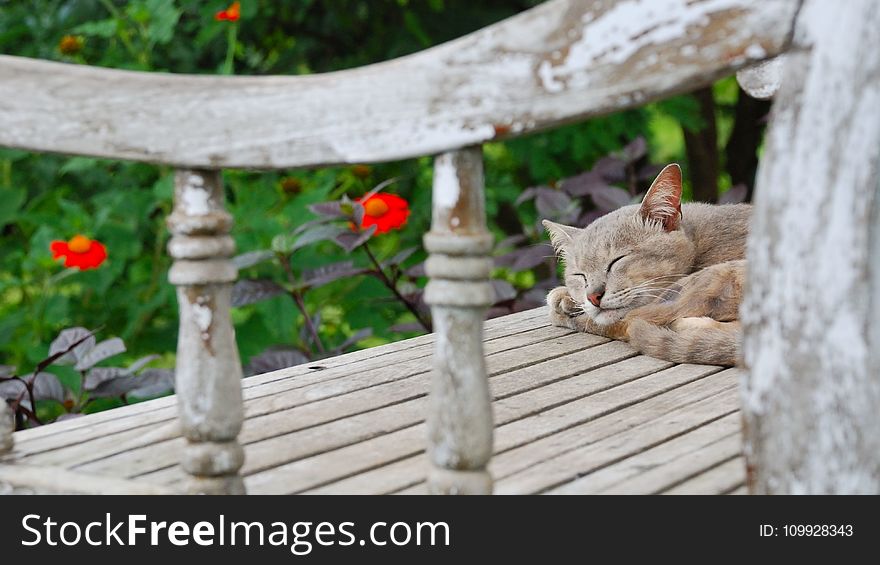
[(562, 308)]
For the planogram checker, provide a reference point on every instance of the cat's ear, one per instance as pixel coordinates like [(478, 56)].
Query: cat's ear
[(662, 203), (560, 236)]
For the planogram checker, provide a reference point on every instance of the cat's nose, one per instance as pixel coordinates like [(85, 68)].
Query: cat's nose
[(595, 298)]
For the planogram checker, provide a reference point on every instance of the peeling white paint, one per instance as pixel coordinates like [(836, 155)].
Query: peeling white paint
[(548, 78), (446, 187), (755, 51), (202, 316), (195, 198), (811, 399), (620, 32)]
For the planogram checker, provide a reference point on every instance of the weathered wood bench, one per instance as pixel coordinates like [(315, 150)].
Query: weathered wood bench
[(573, 413)]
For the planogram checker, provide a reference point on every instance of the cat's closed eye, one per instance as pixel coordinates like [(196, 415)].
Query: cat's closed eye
[(611, 264)]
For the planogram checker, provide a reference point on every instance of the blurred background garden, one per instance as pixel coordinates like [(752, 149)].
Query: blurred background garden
[(316, 277)]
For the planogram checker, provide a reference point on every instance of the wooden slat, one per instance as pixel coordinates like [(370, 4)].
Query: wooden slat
[(282, 412), (686, 387), (553, 471), (502, 335), (325, 467), (53, 480), (721, 479), (740, 490), (556, 63), (656, 469), (509, 409)]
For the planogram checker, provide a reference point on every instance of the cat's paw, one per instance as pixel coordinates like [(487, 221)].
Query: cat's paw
[(562, 308)]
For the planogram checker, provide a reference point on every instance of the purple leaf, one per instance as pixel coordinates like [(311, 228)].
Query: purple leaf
[(378, 188), (634, 150), (416, 271), (510, 242), (734, 195), (332, 272), (274, 359), (252, 258), (554, 204), (504, 291), (304, 334), (104, 350), (648, 172), (11, 389), (582, 184), (528, 194), (401, 256), (351, 240), (362, 333), (140, 364), (612, 169), (46, 386), (610, 198), (331, 209), (99, 375), (357, 213), (65, 342), (151, 382), (591, 216), (525, 257), (310, 224), (249, 291)]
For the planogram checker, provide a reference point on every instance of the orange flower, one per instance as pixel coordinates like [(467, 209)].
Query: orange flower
[(70, 45), (385, 211), (230, 14), (80, 252)]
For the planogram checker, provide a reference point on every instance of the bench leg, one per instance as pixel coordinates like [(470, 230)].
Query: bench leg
[(208, 373), (460, 413)]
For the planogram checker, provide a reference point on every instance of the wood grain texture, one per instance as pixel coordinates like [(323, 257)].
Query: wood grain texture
[(559, 62), (301, 375), (54, 480), (724, 478), (810, 316)]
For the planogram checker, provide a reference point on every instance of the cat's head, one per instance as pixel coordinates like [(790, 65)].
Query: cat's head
[(627, 258)]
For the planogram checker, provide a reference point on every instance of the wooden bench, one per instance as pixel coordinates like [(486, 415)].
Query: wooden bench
[(572, 413)]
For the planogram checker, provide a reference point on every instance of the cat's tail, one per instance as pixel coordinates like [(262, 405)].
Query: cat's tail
[(696, 340)]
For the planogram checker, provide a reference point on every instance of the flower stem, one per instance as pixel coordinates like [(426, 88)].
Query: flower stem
[(393, 288), (231, 39), (300, 303)]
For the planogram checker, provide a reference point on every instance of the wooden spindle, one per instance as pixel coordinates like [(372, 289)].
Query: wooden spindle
[(811, 337), (460, 413), (7, 426), (208, 373)]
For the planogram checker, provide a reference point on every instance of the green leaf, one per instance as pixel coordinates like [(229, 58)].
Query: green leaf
[(77, 164), (101, 28), (11, 200), (163, 19)]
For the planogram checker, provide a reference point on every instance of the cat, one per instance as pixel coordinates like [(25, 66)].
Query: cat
[(667, 277)]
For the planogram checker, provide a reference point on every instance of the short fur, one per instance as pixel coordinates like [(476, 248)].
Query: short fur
[(667, 277)]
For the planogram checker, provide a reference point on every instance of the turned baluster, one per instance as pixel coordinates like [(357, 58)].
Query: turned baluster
[(7, 426), (460, 414), (208, 373)]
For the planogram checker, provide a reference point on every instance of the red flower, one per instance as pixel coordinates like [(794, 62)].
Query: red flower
[(385, 211), (230, 14), (80, 252)]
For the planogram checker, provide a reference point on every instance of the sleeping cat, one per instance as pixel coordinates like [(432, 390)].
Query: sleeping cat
[(665, 276)]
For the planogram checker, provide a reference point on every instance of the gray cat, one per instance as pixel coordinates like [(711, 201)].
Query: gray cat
[(665, 276)]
